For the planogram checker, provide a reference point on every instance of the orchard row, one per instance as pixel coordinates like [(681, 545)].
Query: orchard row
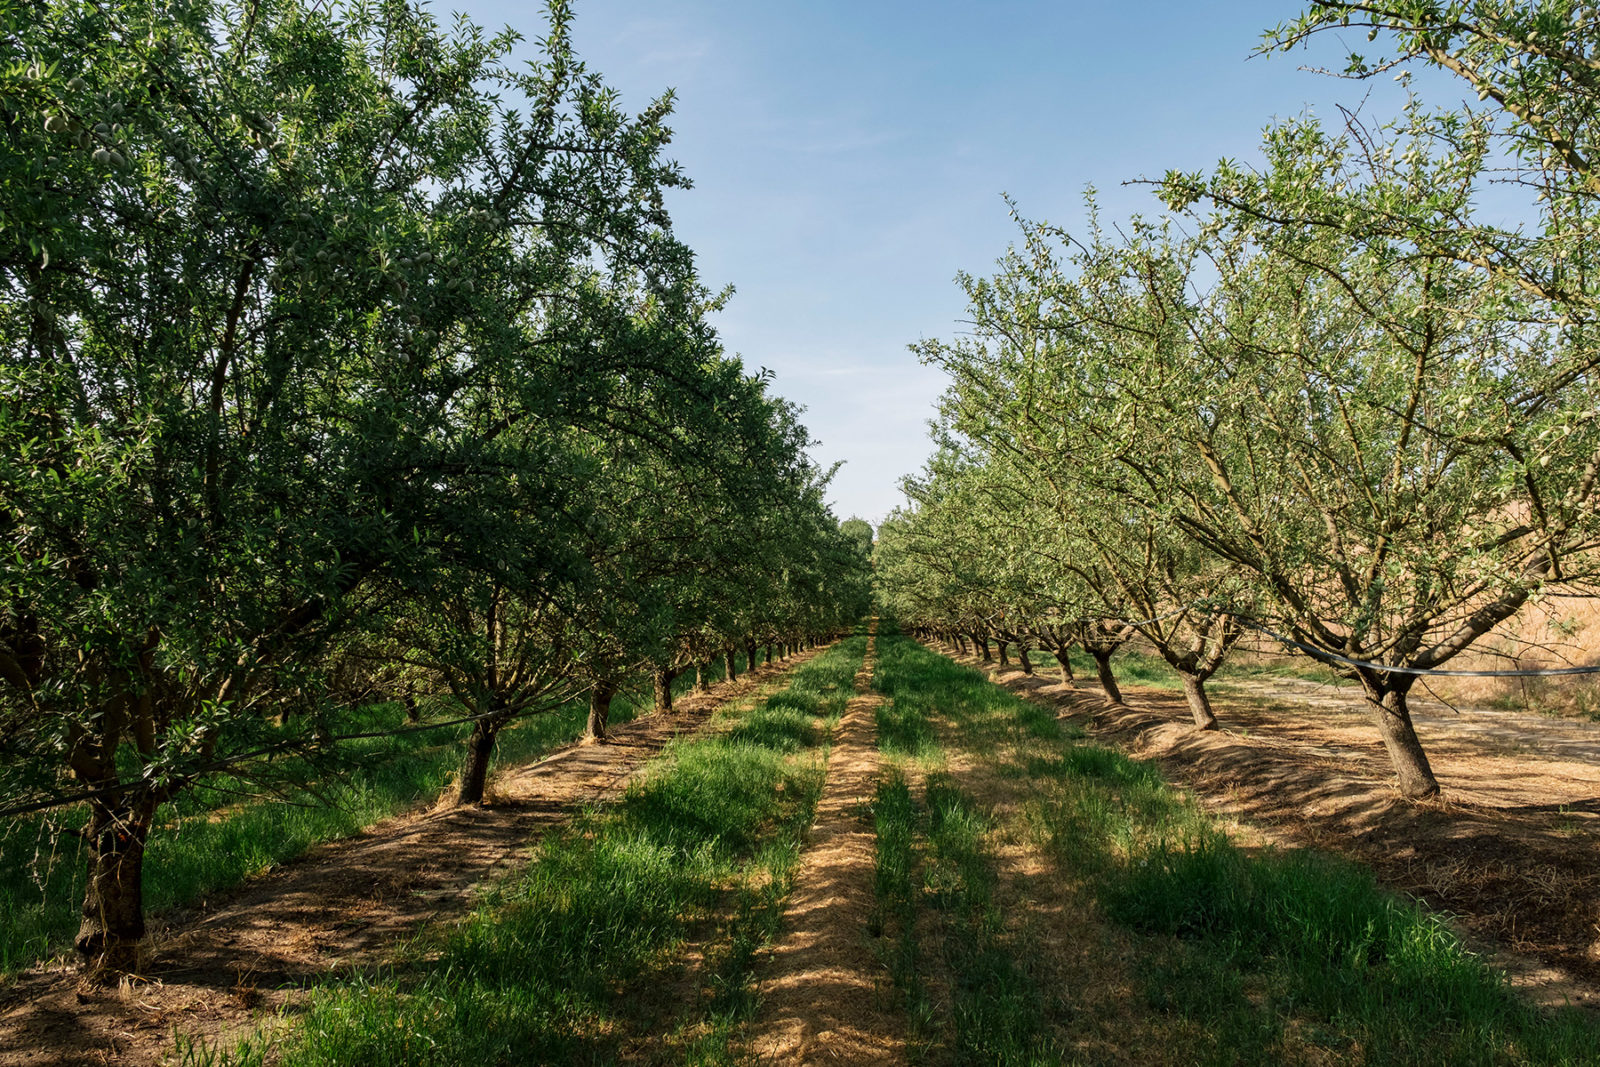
[(346, 359), (1322, 400)]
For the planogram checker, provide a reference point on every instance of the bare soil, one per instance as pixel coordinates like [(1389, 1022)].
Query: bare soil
[(1509, 851), (824, 995), (248, 958)]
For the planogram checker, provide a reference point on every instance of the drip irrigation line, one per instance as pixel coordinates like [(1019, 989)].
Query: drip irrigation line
[(1324, 656), (1430, 672)]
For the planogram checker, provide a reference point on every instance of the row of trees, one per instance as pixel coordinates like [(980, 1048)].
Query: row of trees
[(343, 360), (1321, 397)]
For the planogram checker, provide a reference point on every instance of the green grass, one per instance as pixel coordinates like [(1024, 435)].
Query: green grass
[(934, 858), (578, 958), (999, 1010), (210, 840), (1240, 958)]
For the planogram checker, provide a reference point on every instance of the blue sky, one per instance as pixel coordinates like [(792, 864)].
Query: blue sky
[(849, 158)]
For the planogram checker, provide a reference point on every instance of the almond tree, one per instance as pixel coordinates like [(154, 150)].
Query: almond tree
[(1359, 425), (278, 285)]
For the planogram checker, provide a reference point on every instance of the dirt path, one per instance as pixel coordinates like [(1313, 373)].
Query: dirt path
[(1512, 850), (825, 996), (342, 907)]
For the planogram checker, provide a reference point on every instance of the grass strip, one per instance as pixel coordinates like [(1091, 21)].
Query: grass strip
[(580, 957), (999, 1010), (934, 860), (896, 890)]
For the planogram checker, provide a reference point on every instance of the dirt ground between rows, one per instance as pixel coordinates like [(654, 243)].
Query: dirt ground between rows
[(824, 997), (1511, 850), (344, 907)]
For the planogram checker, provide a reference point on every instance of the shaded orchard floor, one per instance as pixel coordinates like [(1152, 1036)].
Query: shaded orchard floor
[(342, 908)]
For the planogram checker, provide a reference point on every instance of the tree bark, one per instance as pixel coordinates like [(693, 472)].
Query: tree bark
[(475, 768), (663, 682), (730, 660), (702, 677), (1064, 661), (1022, 658), (1108, 681), (1000, 647), (600, 709), (749, 656), (1194, 690), (113, 900), (768, 653), (1393, 715), (983, 646)]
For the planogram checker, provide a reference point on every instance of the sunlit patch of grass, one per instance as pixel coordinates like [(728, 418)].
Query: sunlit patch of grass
[(567, 962)]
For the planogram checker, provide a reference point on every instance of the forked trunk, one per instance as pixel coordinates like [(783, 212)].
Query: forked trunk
[(730, 661), (1393, 715), (1022, 658), (663, 681), (1194, 690), (600, 709), (113, 900), (1108, 681), (475, 768)]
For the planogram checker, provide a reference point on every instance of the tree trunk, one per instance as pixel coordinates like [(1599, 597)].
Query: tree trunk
[(1108, 681), (1393, 716), (664, 678), (702, 677), (983, 646), (1194, 690), (413, 713), (749, 656), (600, 709), (730, 660), (1000, 647), (475, 769), (1022, 658), (1064, 661), (768, 653), (113, 900)]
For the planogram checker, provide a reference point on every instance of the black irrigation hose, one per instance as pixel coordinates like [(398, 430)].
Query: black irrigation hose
[(1431, 672), (1324, 656)]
